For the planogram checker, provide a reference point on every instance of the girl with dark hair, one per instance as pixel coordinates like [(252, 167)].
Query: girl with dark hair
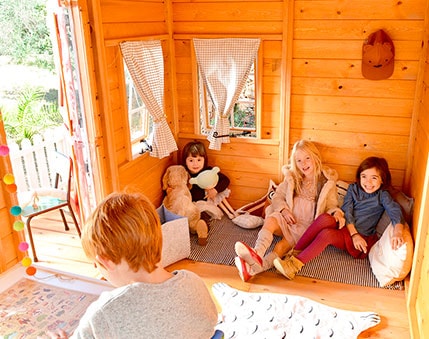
[(363, 206), (195, 160)]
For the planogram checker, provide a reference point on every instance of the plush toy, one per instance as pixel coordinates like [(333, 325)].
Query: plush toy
[(179, 200), (208, 179)]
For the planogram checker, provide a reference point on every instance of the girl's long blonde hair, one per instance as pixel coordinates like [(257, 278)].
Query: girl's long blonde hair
[(310, 148)]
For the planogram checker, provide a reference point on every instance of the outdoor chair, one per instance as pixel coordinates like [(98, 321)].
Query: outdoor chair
[(56, 198)]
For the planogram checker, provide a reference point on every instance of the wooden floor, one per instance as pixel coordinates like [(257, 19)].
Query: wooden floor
[(61, 250)]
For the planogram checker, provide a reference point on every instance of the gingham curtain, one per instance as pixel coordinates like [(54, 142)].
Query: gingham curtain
[(145, 62), (224, 65)]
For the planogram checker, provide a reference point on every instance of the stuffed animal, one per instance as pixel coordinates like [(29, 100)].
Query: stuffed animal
[(178, 200), (208, 179)]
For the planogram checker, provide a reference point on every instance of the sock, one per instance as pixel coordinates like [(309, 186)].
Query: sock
[(263, 242), (267, 263)]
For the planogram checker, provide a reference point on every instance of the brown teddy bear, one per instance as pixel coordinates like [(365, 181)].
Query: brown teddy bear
[(178, 200)]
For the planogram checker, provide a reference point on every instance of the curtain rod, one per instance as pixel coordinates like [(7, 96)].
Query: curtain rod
[(224, 36), (116, 42)]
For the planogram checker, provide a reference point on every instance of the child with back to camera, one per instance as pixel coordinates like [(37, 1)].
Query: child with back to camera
[(307, 196), (364, 204), (123, 237), (195, 160)]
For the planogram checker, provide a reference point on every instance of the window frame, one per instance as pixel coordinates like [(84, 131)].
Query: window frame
[(204, 130)]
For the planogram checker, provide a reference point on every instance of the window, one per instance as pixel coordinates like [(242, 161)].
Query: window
[(140, 120), (243, 117)]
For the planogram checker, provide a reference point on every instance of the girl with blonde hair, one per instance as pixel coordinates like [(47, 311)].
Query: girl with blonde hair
[(307, 195)]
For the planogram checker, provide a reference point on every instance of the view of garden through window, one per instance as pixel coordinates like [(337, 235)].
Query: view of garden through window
[(243, 117), (140, 120)]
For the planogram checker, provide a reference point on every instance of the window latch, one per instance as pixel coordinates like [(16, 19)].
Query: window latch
[(231, 135)]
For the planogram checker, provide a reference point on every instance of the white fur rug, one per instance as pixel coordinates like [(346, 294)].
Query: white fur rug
[(274, 315)]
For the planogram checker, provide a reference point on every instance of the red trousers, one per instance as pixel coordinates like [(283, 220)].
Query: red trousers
[(324, 231)]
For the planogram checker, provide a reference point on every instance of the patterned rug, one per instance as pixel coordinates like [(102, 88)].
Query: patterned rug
[(331, 265), (274, 315)]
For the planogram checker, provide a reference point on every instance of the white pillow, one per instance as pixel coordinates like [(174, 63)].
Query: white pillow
[(390, 265), (248, 221), (176, 243)]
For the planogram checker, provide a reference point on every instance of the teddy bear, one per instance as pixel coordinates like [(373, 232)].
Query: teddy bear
[(178, 200)]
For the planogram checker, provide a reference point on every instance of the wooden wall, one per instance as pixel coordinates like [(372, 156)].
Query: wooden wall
[(111, 23), (417, 298), (250, 164), (310, 86), (332, 103), (419, 141), (310, 83)]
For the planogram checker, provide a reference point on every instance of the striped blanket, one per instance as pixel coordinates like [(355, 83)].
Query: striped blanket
[(332, 265)]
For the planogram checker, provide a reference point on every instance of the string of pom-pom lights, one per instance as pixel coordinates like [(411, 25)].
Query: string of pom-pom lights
[(18, 225)]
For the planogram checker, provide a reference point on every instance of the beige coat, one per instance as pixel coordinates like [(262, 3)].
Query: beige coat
[(327, 200)]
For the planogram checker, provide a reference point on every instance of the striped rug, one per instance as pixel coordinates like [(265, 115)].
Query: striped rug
[(331, 265)]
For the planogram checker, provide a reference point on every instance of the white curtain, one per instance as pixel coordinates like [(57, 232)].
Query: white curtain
[(224, 65), (145, 63)]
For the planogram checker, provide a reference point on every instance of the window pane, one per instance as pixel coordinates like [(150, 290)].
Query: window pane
[(244, 109), (243, 117), (140, 121)]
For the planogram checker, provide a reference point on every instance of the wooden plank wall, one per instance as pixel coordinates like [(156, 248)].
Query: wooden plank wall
[(348, 116), (419, 148), (331, 101), (417, 297), (145, 171), (118, 21), (249, 164)]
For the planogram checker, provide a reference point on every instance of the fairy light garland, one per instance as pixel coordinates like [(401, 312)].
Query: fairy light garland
[(18, 225)]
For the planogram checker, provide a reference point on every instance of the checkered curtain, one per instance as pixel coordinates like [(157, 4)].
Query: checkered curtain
[(145, 63), (224, 65)]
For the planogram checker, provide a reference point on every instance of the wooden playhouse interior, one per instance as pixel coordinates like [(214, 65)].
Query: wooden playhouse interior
[(309, 86)]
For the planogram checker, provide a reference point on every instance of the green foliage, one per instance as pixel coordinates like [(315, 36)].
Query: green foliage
[(244, 116), (33, 115), (25, 35)]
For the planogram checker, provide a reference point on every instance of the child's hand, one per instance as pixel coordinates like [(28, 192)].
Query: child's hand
[(290, 219), (211, 193), (339, 218), (359, 243), (397, 238)]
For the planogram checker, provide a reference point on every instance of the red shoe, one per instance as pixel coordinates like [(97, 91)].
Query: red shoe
[(243, 269), (248, 254)]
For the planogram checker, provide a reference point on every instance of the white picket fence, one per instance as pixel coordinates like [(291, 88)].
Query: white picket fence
[(31, 163)]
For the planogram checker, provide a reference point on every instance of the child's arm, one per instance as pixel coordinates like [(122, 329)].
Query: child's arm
[(211, 193), (339, 218), (393, 210), (348, 207), (397, 238), (222, 183), (221, 186), (358, 241)]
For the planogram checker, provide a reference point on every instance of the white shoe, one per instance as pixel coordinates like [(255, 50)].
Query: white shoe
[(243, 269), (248, 254)]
